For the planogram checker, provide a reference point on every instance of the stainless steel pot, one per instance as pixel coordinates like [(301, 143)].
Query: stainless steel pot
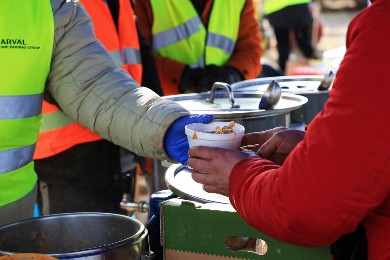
[(230, 105), (306, 86), (179, 181), (241, 107), (77, 235)]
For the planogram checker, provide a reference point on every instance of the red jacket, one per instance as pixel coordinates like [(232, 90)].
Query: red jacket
[(339, 176), (246, 56)]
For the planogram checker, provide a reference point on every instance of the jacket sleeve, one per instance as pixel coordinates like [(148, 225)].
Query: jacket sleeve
[(248, 51), (104, 98), (338, 176)]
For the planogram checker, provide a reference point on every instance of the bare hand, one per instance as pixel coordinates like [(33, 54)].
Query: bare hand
[(274, 144), (280, 145), (212, 166)]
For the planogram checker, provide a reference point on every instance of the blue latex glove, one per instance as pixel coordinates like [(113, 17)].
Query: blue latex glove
[(175, 139)]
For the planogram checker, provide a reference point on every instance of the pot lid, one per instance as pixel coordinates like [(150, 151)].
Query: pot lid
[(179, 181), (248, 103), (289, 84)]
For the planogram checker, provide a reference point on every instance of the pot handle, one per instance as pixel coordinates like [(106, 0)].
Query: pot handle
[(228, 89)]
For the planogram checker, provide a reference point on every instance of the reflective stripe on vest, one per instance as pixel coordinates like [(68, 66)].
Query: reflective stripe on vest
[(14, 159), (18, 107), (123, 44), (222, 34), (59, 133), (54, 119), (26, 43), (271, 6), (184, 38), (13, 107)]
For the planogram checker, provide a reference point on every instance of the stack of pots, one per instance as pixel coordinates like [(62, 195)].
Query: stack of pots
[(314, 88), (228, 104)]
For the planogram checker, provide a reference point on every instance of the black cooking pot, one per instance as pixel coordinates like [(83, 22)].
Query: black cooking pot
[(77, 235)]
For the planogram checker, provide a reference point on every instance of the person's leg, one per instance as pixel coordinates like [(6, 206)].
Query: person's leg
[(66, 199), (86, 177), (304, 40), (283, 45), (20, 209)]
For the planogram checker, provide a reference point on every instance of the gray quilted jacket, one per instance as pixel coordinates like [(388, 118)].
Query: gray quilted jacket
[(90, 89)]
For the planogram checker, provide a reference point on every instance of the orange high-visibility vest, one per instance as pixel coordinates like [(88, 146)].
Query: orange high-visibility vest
[(58, 132), (123, 44)]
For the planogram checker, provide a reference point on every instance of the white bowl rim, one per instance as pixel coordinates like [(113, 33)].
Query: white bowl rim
[(239, 131)]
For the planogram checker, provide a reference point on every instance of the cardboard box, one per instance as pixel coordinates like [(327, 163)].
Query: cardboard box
[(191, 230)]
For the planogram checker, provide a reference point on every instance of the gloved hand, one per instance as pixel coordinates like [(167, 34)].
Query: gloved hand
[(202, 79), (231, 75), (175, 140), (226, 74), (194, 80)]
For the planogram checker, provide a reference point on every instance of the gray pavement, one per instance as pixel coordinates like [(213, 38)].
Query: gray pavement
[(335, 24), (335, 28)]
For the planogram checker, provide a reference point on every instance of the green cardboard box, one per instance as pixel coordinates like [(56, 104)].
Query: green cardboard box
[(192, 230)]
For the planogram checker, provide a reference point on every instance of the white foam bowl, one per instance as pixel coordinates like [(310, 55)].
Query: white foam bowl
[(202, 138)]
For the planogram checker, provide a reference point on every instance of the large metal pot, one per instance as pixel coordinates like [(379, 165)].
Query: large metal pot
[(307, 86), (228, 105), (77, 235), (241, 107), (179, 181)]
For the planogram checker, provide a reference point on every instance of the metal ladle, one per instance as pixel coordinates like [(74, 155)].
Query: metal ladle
[(326, 83), (271, 96)]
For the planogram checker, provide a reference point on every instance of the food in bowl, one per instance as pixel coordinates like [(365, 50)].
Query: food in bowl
[(227, 129), (213, 135)]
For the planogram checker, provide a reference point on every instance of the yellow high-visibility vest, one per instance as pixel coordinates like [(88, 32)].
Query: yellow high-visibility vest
[(26, 46), (271, 6), (179, 34)]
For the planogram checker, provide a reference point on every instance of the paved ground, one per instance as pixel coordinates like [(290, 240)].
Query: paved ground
[(335, 24), (335, 28)]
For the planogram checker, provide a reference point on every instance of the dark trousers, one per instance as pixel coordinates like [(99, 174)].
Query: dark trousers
[(295, 18), (86, 177), (303, 39), (351, 246)]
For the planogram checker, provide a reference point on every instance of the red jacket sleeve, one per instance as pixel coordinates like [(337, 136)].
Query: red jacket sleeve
[(339, 176)]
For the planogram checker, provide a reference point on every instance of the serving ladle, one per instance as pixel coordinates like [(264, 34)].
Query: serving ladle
[(326, 83), (271, 96)]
